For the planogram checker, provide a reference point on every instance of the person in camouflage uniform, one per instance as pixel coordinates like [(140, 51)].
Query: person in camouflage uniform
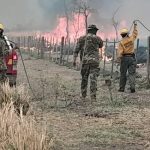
[(88, 47), (127, 57), (3, 52)]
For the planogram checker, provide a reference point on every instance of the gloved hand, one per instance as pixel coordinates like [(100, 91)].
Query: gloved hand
[(100, 58), (16, 47), (135, 23), (118, 60), (74, 63)]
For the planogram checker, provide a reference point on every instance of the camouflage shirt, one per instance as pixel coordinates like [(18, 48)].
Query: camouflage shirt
[(3, 52), (3, 48), (88, 47)]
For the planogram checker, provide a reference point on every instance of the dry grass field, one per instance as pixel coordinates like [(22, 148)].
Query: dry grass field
[(120, 123), (16, 131)]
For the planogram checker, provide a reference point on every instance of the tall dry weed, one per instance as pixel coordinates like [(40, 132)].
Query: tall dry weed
[(15, 94), (19, 132)]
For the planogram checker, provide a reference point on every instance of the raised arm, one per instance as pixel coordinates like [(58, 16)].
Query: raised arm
[(135, 31)]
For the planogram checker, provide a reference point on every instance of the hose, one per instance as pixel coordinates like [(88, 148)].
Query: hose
[(131, 29), (27, 75), (25, 70), (143, 25)]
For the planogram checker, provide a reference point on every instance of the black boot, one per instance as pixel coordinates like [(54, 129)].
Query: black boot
[(121, 90), (132, 90)]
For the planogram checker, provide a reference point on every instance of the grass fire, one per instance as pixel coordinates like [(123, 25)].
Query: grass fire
[(74, 75)]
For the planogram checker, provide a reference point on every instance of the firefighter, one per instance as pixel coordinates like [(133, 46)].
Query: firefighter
[(3, 52), (88, 47), (127, 58)]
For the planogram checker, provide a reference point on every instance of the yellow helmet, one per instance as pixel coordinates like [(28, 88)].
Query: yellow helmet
[(1, 26), (124, 31)]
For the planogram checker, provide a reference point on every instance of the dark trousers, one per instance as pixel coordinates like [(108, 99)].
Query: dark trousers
[(91, 70), (128, 63)]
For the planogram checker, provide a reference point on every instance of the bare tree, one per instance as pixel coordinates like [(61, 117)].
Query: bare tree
[(67, 39), (83, 8), (76, 29), (67, 20), (115, 23)]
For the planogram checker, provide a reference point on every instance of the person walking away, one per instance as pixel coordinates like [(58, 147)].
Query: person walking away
[(88, 46)]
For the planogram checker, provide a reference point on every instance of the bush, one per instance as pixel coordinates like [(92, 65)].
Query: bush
[(17, 95), (18, 132)]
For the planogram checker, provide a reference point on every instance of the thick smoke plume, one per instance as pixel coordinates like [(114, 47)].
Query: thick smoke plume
[(33, 15)]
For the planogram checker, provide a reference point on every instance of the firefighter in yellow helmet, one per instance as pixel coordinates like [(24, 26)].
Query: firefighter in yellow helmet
[(127, 58), (3, 52), (1, 27)]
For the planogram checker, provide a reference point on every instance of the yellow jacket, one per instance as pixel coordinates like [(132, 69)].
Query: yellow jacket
[(126, 45)]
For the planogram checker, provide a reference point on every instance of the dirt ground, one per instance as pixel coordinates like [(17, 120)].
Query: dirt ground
[(120, 123)]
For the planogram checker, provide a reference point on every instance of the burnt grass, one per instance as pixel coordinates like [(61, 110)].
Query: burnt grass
[(121, 122)]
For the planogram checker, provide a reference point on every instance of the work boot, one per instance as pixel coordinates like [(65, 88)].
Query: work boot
[(93, 99), (121, 90), (82, 101), (132, 90)]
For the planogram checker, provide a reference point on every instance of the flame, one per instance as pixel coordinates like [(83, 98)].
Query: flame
[(103, 56), (76, 28)]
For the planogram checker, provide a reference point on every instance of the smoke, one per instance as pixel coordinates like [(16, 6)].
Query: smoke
[(29, 15), (53, 9), (20, 14), (136, 10), (129, 10)]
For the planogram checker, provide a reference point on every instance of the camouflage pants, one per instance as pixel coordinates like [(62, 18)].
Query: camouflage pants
[(3, 70), (3, 77), (128, 63), (91, 70)]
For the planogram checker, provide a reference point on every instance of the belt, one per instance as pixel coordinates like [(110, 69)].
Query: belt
[(129, 54)]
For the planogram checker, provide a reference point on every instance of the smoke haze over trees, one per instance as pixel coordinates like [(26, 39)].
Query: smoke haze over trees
[(42, 14)]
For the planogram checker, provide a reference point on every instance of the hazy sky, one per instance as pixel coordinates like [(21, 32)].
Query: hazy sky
[(42, 14)]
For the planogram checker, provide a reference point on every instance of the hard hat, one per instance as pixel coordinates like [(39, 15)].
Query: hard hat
[(1, 27), (124, 31), (92, 26)]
